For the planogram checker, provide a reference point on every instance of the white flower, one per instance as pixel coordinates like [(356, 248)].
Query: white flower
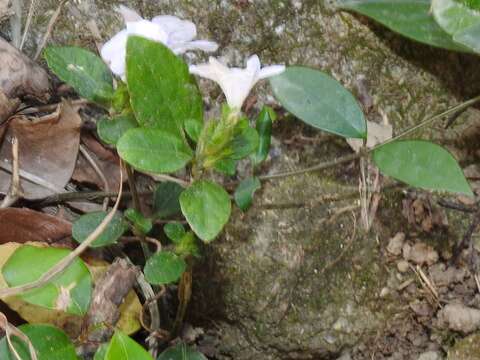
[(171, 31), (236, 83)]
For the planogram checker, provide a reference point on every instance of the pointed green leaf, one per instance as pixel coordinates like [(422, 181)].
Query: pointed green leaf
[(166, 199), (320, 101), (122, 347), (163, 93), (181, 352), (422, 164), (244, 142), (50, 343), (245, 191), (410, 18), (112, 129), (264, 128), (207, 207), (86, 224), (164, 267), (69, 292), (154, 150), (84, 71)]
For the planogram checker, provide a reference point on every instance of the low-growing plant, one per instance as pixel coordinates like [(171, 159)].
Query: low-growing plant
[(155, 119)]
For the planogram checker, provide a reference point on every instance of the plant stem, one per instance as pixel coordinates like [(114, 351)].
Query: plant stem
[(318, 167), (430, 120), (138, 206), (351, 157)]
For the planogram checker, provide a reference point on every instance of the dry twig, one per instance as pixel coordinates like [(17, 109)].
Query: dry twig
[(50, 26), (99, 172), (12, 330), (15, 192)]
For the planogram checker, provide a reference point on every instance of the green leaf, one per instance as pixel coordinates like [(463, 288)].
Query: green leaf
[(181, 352), (459, 20), (86, 224), (244, 142), (244, 193), (207, 207), (112, 129), (226, 166), (422, 164), (83, 70), (187, 246), (69, 292), (140, 222), (264, 130), (101, 352), (320, 101), (410, 18), (166, 199), (122, 347), (469, 37), (154, 150), (164, 267), (174, 231), (50, 343), (163, 93)]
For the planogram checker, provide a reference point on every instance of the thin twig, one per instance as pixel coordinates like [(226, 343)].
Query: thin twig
[(50, 26), (322, 166), (32, 178), (163, 177), (31, 11), (51, 107), (83, 195), (15, 191), (66, 261), (351, 157), (99, 172)]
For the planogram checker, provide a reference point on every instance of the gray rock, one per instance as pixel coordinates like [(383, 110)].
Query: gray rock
[(395, 244), (430, 355), (459, 317)]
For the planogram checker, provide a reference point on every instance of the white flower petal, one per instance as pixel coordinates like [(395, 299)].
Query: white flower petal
[(270, 71), (148, 30), (178, 30), (113, 52), (203, 45), (236, 83), (128, 14), (253, 63)]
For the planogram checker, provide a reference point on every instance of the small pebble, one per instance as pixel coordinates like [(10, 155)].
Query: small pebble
[(395, 244), (403, 266)]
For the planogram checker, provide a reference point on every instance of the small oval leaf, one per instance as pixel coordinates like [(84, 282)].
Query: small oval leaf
[(207, 207), (69, 292), (245, 191), (154, 150), (111, 130), (164, 268), (422, 164), (181, 352), (86, 224), (84, 71), (50, 343), (320, 101), (174, 231), (122, 347)]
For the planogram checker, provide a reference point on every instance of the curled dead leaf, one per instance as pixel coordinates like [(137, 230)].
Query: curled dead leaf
[(48, 149), (20, 76)]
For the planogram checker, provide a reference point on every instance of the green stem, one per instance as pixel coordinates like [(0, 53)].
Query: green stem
[(362, 154)]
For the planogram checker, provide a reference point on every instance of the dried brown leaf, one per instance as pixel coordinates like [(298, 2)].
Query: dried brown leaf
[(20, 76), (48, 152), (23, 225)]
